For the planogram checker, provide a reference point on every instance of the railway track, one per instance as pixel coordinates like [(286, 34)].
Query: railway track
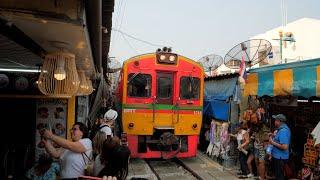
[(199, 167), (172, 169)]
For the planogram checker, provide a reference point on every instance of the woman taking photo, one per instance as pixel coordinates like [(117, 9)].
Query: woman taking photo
[(74, 155)]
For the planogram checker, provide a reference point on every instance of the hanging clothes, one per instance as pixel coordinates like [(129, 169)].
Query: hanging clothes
[(224, 141), (211, 138)]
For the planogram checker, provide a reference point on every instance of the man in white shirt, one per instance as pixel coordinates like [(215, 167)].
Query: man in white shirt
[(107, 122)]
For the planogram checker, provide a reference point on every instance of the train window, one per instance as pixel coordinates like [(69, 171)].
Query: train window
[(189, 88), (164, 89), (139, 85)]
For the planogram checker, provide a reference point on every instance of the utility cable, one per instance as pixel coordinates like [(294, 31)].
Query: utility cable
[(138, 39), (129, 44)]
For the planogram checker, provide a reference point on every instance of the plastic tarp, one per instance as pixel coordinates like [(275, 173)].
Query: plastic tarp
[(216, 97), (220, 89), (218, 109)]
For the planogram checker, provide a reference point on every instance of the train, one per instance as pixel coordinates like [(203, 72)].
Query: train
[(160, 102)]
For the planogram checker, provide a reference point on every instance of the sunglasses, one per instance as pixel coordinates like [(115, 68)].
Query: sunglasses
[(73, 129)]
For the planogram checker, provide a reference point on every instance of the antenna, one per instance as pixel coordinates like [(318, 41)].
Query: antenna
[(253, 51), (211, 62)]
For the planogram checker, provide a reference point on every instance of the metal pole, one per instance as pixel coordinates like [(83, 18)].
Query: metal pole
[(280, 35), (281, 49)]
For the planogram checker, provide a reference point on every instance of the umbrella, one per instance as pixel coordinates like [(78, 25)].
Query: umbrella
[(316, 134)]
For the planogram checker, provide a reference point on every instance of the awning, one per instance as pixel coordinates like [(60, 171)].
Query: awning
[(218, 109), (297, 79), (220, 88), (217, 91)]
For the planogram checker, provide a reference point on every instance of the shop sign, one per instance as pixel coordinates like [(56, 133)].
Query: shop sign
[(51, 114)]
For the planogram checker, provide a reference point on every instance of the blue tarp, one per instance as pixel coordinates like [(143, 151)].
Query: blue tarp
[(218, 109), (220, 89), (217, 94)]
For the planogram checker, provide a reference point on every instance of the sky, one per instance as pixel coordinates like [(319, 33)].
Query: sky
[(196, 28)]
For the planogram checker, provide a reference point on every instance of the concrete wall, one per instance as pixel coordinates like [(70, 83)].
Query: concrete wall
[(306, 34)]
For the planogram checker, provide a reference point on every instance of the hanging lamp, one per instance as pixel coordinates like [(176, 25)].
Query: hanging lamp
[(59, 75), (85, 87), (90, 89)]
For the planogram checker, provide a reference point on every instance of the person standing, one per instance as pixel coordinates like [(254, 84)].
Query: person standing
[(243, 142), (115, 158), (281, 143), (71, 155), (107, 123), (260, 140)]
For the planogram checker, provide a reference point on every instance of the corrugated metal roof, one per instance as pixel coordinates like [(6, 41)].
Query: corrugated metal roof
[(221, 76)]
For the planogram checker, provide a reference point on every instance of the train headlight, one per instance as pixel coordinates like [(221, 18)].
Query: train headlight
[(162, 57), (172, 58), (194, 126), (130, 125)]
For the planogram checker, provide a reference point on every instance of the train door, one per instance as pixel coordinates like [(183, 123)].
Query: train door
[(164, 100)]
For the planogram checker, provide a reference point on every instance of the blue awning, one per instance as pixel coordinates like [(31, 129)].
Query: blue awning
[(217, 109), (220, 89)]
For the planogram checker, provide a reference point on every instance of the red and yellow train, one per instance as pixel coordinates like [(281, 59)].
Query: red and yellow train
[(161, 99)]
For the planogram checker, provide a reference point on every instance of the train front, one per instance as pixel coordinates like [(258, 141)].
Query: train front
[(162, 100)]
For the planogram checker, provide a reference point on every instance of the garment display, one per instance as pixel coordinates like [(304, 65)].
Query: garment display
[(219, 140), (211, 137)]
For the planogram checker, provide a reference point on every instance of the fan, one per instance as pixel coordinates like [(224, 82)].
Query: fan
[(253, 51), (210, 62)]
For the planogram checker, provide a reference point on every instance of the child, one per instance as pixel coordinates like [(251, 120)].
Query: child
[(269, 147)]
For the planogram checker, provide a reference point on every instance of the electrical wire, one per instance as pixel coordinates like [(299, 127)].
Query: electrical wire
[(138, 39), (116, 24), (129, 44)]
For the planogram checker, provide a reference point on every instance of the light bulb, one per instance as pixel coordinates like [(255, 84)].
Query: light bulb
[(172, 58), (162, 57), (59, 74)]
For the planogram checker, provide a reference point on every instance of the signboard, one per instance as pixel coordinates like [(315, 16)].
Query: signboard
[(51, 114), (82, 109)]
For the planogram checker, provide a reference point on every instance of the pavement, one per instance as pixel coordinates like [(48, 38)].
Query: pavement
[(206, 168)]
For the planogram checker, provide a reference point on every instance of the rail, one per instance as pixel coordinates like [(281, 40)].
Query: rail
[(153, 167)]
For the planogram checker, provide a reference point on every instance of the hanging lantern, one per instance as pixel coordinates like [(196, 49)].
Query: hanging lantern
[(90, 89), (59, 75), (85, 87)]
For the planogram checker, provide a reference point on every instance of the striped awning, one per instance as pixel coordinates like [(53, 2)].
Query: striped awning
[(297, 79)]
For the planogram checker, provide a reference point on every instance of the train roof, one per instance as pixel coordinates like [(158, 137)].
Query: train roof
[(153, 54)]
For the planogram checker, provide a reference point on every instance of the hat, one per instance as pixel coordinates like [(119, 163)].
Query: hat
[(111, 115), (280, 117)]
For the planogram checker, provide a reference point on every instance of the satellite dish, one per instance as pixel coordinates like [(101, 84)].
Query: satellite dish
[(210, 62), (253, 51), (113, 65)]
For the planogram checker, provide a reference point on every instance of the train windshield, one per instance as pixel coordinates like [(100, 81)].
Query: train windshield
[(189, 88), (139, 85), (164, 87)]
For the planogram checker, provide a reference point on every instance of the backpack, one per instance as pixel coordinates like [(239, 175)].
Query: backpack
[(94, 131)]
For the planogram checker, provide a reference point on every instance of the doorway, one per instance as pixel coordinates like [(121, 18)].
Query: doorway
[(17, 132)]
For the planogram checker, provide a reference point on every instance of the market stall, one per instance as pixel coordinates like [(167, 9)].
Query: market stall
[(292, 89), (220, 113)]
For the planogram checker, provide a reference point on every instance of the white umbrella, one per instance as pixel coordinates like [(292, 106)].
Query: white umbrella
[(316, 134)]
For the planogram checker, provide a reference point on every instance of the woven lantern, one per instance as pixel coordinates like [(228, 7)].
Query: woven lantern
[(90, 89), (59, 75), (85, 87)]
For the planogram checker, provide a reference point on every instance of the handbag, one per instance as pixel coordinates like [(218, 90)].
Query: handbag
[(88, 170)]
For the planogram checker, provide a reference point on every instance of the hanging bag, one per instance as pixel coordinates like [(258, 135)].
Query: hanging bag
[(88, 170)]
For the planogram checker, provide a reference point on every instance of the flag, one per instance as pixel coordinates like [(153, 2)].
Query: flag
[(242, 70)]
